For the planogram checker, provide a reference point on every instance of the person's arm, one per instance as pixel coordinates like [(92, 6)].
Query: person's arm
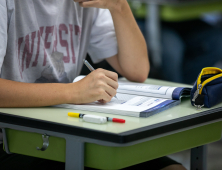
[(132, 58), (98, 85)]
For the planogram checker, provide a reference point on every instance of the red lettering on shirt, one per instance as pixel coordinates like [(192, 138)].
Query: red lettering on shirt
[(64, 43), (45, 41), (27, 52)]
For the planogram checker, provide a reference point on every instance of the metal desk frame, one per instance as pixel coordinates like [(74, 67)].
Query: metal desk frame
[(75, 144), (75, 148)]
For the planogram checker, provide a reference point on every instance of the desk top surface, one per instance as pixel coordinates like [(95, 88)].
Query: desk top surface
[(179, 115)]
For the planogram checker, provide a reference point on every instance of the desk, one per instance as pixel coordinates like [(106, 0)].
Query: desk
[(78, 143), (172, 10)]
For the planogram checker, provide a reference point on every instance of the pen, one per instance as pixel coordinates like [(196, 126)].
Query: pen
[(95, 119), (88, 65), (91, 68)]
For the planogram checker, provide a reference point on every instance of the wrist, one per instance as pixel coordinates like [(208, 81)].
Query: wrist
[(69, 96), (118, 6), (72, 94)]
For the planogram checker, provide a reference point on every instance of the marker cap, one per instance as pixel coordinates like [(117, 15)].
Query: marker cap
[(71, 114), (118, 120)]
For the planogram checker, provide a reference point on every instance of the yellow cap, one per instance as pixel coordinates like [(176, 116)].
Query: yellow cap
[(71, 114)]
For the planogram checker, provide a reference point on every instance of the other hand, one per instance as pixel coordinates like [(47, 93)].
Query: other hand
[(105, 4)]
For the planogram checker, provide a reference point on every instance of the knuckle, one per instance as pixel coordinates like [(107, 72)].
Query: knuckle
[(116, 75), (101, 76), (100, 84), (99, 69), (100, 92), (117, 85)]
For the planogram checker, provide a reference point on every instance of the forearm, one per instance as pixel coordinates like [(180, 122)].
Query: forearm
[(132, 59), (132, 48), (99, 85), (17, 94)]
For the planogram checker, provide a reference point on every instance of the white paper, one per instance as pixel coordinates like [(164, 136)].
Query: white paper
[(142, 89), (146, 90), (130, 105)]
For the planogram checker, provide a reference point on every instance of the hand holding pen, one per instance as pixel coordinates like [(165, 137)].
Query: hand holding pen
[(90, 68), (100, 85)]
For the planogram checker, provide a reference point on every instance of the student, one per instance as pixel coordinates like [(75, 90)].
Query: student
[(43, 44)]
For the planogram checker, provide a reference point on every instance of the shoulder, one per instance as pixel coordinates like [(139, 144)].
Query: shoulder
[(3, 11), (3, 3)]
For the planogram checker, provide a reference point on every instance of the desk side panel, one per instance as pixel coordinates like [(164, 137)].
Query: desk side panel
[(126, 156), (25, 143), (100, 157)]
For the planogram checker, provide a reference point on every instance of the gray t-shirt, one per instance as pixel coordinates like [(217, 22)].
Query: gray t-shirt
[(46, 40)]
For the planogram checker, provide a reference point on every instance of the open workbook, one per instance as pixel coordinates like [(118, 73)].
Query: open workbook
[(136, 99)]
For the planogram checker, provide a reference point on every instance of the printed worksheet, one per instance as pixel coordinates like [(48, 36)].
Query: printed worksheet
[(146, 89)]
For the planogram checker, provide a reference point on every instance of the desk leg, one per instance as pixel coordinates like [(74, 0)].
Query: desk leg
[(198, 158), (154, 33), (74, 154), (5, 141)]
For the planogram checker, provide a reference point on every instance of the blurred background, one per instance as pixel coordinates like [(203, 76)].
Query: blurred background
[(183, 36)]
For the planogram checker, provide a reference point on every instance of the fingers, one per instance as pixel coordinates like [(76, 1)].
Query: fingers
[(92, 3), (105, 98), (112, 83), (110, 90), (100, 85), (81, 0), (87, 4), (103, 87), (110, 78), (110, 74), (106, 83)]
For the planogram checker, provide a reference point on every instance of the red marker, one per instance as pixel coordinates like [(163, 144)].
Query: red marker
[(96, 119)]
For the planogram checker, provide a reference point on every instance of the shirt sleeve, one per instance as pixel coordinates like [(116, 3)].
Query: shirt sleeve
[(103, 43), (3, 31)]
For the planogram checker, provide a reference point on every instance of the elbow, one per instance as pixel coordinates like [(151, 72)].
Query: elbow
[(139, 72), (143, 75), (139, 79), (140, 76), (143, 71)]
